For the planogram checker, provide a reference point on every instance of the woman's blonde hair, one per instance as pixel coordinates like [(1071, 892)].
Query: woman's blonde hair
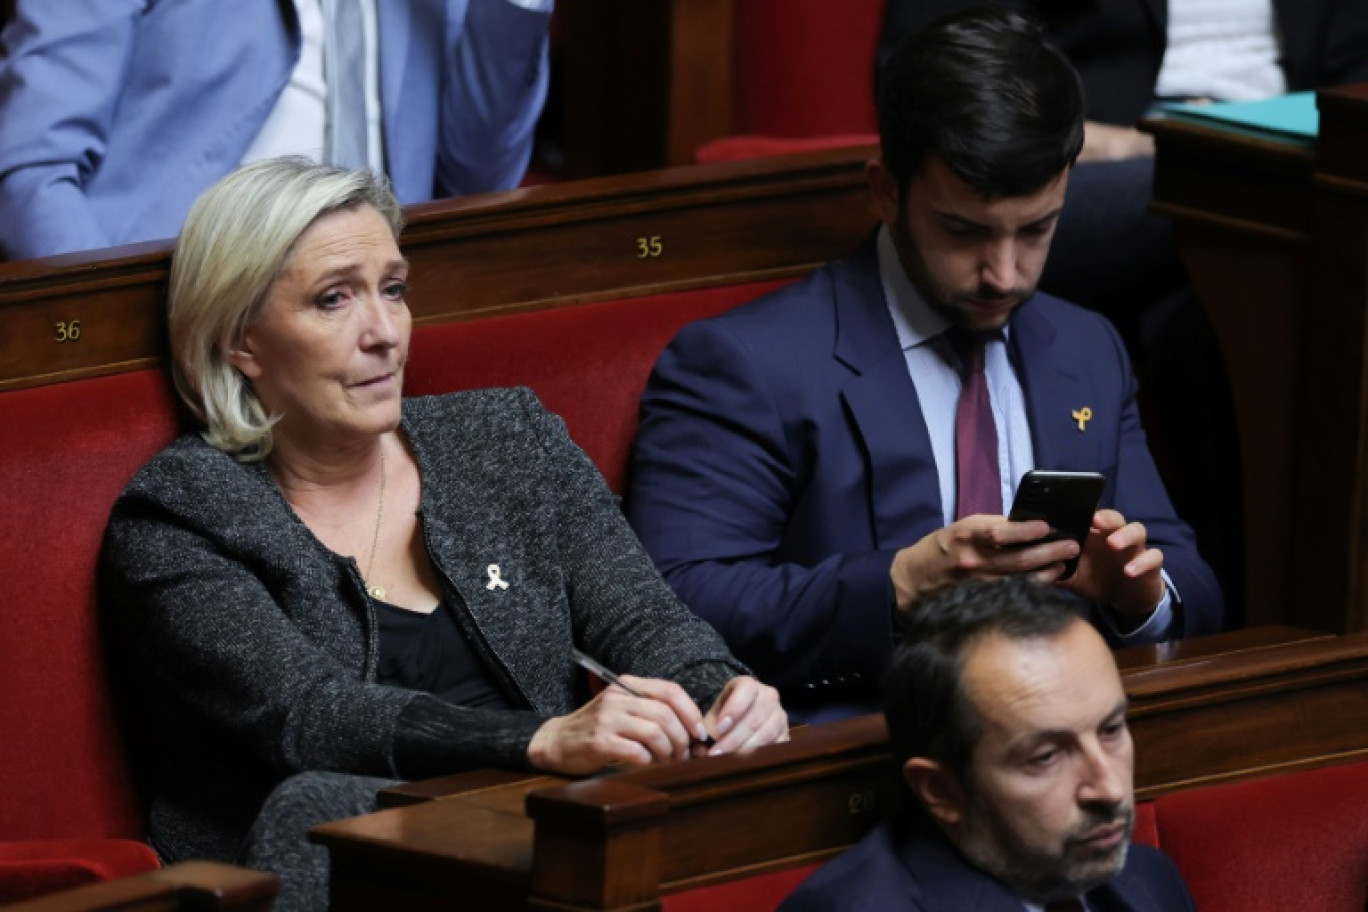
[(237, 239)]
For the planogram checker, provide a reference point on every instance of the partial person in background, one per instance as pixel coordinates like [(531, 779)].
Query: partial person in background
[(114, 117), (1007, 721), (330, 585), (811, 463), (1112, 255)]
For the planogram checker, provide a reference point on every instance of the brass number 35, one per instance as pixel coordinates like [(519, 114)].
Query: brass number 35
[(68, 331), (649, 247)]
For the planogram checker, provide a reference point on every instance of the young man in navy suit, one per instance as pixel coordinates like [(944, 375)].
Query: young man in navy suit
[(1008, 722), (797, 471)]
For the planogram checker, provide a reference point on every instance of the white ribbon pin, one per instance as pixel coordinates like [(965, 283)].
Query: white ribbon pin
[(496, 580)]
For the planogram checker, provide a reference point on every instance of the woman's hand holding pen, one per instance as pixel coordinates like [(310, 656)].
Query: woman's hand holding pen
[(746, 715), (655, 722), (644, 720)]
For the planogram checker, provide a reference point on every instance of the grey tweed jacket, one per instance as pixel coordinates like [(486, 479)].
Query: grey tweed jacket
[(249, 649)]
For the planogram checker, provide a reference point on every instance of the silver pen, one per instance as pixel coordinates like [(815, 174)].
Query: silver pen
[(596, 667), (609, 677)]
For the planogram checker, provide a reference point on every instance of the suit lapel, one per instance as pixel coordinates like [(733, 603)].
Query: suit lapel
[(1055, 389), (1123, 893), (883, 408)]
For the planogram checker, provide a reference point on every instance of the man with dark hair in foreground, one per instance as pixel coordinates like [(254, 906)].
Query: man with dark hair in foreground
[(811, 463), (1008, 723)]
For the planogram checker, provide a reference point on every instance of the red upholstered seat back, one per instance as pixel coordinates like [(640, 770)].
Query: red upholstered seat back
[(749, 145), (588, 364), (805, 67), (1281, 844), (69, 449), (762, 893)]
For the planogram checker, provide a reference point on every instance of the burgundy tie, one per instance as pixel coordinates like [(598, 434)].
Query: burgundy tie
[(976, 442)]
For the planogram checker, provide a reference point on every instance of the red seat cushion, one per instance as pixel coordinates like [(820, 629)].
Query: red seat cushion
[(805, 67), (30, 869), (1290, 842), (762, 893), (69, 450)]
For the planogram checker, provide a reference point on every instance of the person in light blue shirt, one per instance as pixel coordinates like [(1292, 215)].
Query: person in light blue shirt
[(116, 114)]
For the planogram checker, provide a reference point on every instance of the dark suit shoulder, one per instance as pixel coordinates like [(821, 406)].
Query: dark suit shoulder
[(799, 325), (868, 877), (811, 298), (1068, 316), (801, 310), (1150, 882), (190, 474), (1069, 331)]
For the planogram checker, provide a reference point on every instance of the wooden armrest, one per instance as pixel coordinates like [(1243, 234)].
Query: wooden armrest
[(1200, 648), (199, 885), (406, 793)]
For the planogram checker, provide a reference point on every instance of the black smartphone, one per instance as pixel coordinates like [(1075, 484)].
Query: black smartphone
[(1065, 500)]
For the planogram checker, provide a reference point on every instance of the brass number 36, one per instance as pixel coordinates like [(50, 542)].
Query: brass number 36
[(68, 331), (649, 247)]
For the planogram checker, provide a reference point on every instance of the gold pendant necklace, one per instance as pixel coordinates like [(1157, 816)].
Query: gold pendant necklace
[(377, 592)]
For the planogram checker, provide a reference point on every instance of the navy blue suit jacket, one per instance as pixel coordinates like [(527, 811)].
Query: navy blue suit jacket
[(782, 460), (883, 872)]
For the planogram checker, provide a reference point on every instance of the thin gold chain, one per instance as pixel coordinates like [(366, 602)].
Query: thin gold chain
[(377, 592)]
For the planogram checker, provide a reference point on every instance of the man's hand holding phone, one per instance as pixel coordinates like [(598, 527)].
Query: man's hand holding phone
[(979, 547), (1118, 568), (1055, 533)]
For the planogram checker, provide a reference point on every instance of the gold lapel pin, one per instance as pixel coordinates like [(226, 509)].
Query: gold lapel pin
[(1082, 416)]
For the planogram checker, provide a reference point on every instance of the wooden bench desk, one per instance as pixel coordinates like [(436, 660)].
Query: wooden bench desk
[(103, 312), (1221, 709)]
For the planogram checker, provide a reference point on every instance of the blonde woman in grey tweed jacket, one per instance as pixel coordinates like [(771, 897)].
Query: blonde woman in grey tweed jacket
[(331, 587)]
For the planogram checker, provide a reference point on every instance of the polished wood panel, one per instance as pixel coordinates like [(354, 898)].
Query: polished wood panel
[(614, 842), (1199, 649), (1228, 717), (1220, 709), (501, 252), (1332, 467), (643, 84), (1242, 209), (1275, 235), (198, 885), (613, 75)]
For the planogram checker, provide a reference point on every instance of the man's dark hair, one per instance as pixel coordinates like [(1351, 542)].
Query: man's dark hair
[(983, 90), (929, 714)]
